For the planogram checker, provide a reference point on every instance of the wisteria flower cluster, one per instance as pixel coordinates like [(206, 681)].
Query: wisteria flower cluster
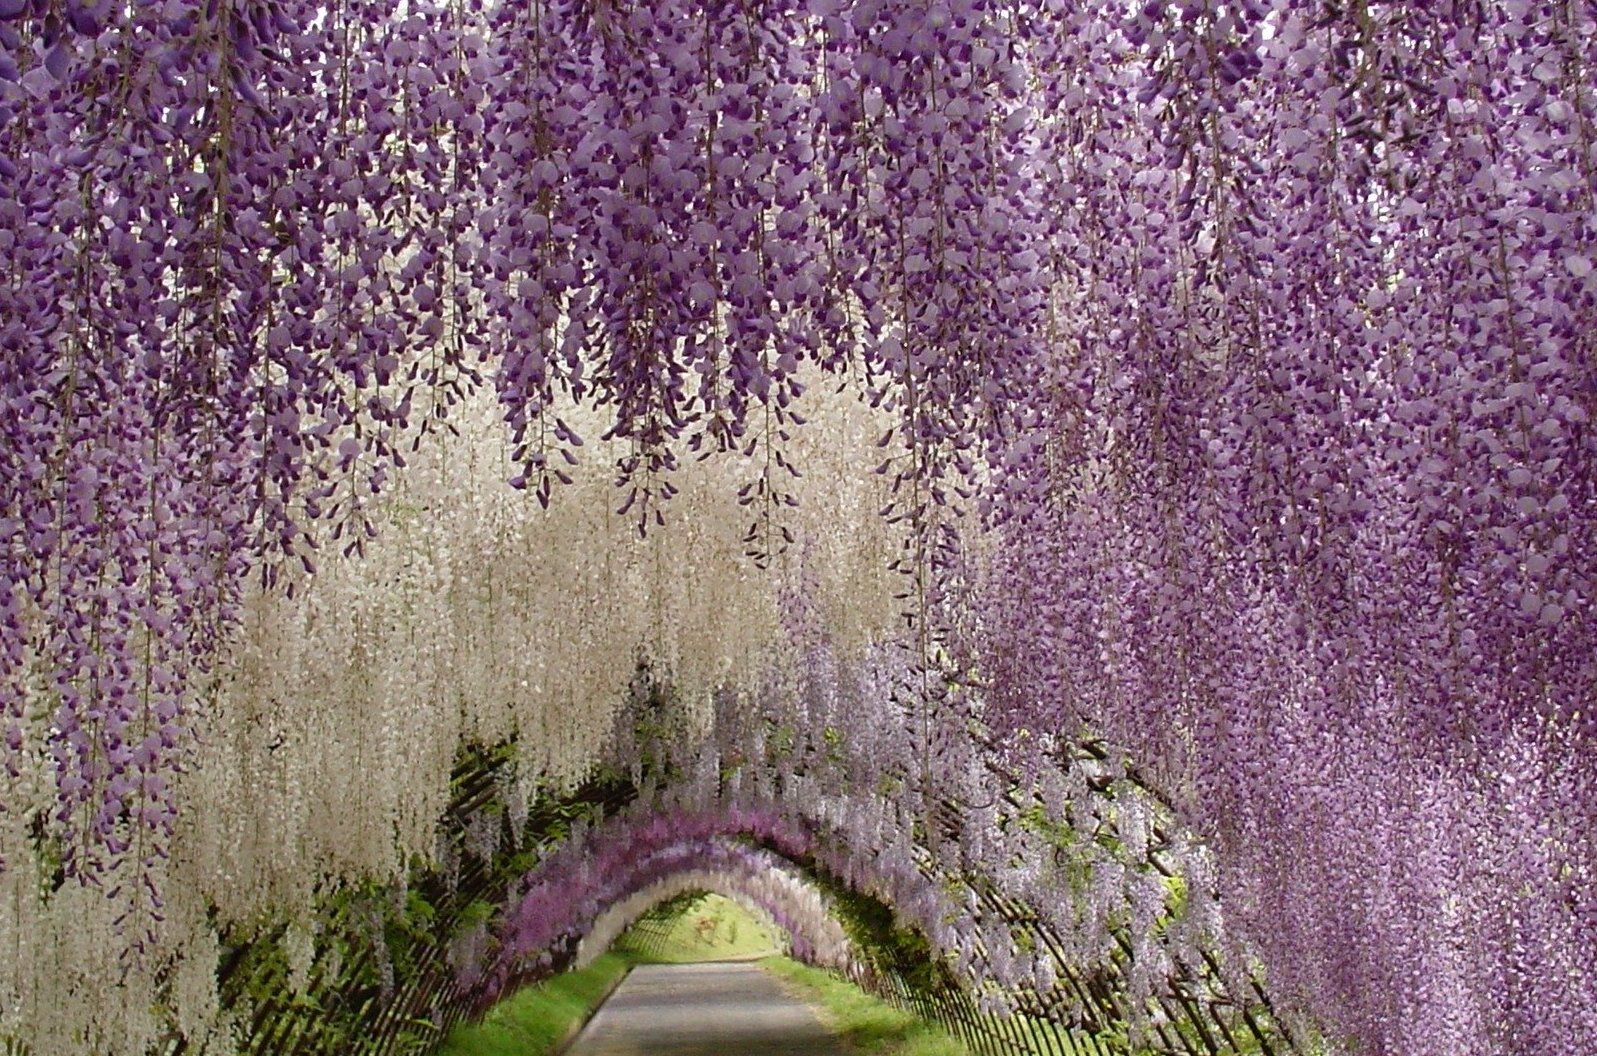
[(1219, 376)]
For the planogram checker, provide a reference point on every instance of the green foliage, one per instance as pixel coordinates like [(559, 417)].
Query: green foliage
[(1116, 1037), (521, 863), (1035, 819), (474, 913), (1175, 903), (876, 933), (781, 742)]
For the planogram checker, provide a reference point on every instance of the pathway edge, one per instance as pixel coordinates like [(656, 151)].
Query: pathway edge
[(575, 1030)]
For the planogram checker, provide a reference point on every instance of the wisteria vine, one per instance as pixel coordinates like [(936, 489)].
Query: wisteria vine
[(1233, 361)]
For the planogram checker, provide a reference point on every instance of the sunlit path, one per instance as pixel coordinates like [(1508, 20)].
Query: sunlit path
[(725, 1008)]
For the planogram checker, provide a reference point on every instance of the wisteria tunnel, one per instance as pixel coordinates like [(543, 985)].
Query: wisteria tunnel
[(1079, 516)]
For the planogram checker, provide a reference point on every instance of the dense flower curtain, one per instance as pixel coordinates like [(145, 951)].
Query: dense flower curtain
[(1213, 376)]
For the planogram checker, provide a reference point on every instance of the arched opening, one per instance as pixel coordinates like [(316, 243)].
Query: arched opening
[(791, 909), (701, 925)]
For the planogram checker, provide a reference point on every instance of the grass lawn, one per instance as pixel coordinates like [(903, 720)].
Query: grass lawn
[(870, 1026), (536, 1018)]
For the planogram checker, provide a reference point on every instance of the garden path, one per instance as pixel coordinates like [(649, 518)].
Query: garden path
[(723, 1008)]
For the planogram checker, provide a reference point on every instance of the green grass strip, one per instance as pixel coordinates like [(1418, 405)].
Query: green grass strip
[(537, 1018), (870, 1026)]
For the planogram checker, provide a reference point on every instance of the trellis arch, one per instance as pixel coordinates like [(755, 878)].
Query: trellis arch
[(1213, 378), (776, 897)]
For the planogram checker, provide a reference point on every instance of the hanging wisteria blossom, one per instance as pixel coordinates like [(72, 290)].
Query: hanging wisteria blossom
[(1184, 407)]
